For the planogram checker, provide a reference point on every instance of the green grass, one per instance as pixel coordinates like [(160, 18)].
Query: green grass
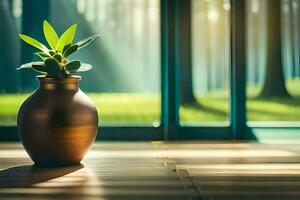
[(113, 108), (214, 107), (128, 108)]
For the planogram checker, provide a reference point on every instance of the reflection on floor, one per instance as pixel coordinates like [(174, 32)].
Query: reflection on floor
[(158, 170)]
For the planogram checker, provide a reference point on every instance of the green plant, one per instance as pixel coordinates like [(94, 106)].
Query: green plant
[(55, 62)]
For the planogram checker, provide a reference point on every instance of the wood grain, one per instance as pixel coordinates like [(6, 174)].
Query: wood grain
[(158, 170)]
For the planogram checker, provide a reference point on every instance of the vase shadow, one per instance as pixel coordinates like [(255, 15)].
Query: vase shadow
[(29, 175)]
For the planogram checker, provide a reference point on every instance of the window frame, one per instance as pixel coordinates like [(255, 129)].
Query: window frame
[(170, 127)]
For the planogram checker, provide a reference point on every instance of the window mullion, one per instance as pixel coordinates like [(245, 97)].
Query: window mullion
[(238, 72), (169, 69)]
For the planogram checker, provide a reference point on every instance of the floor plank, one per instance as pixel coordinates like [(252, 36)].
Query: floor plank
[(158, 170)]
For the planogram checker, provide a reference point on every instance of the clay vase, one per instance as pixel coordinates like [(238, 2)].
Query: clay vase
[(58, 123)]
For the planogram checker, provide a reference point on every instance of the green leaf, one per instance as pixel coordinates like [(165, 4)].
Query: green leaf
[(53, 68), (58, 57), (33, 42), (29, 65), (87, 41), (73, 66), (70, 50), (52, 63), (40, 68), (51, 53), (42, 55), (66, 38), (84, 67), (66, 48), (50, 34)]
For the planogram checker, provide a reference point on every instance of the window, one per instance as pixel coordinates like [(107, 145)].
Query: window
[(11, 17), (125, 80), (168, 69), (205, 84), (273, 61)]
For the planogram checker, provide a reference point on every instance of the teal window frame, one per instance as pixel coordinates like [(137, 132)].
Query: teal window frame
[(170, 127)]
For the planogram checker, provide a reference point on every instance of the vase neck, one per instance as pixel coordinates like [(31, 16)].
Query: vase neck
[(70, 83)]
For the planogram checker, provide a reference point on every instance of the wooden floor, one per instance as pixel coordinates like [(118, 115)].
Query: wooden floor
[(158, 170)]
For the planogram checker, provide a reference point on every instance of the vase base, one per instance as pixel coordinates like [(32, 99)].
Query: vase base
[(55, 164)]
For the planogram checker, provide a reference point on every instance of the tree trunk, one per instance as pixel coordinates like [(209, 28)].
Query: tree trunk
[(34, 12), (186, 80), (296, 37), (291, 38), (10, 53), (274, 85)]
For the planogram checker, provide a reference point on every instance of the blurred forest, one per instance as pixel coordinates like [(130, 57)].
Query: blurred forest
[(127, 56), (127, 59), (211, 45)]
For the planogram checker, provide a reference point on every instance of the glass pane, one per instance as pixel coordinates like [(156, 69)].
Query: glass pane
[(205, 95), (273, 84), (10, 20), (125, 80)]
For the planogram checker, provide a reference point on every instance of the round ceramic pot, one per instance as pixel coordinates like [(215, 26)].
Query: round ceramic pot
[(58, 123)]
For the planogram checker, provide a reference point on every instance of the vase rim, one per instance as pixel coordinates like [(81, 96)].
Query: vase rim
[(68, 79)]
